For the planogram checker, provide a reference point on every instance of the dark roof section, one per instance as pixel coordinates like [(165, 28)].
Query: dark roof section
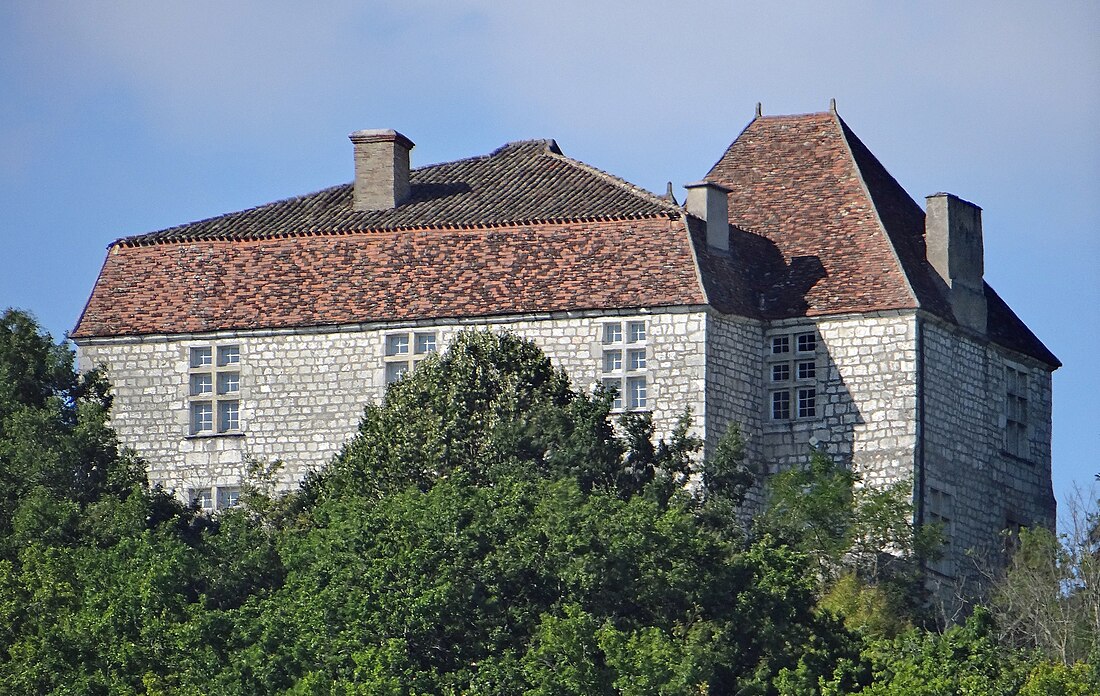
[(1008, 330), (728, 277), (903, 220), (522, 182)]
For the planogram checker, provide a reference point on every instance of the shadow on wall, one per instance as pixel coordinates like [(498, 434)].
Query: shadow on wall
[(821, 411)]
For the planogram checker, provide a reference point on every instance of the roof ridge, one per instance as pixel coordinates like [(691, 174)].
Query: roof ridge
[(511, 144), (791, 117), (548, 142), (440, 227), (621, 183)]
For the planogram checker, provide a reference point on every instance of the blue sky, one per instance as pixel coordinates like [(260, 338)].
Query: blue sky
[(126, 117)]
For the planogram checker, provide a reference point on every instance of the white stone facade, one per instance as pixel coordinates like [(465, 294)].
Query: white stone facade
[(301, 396)]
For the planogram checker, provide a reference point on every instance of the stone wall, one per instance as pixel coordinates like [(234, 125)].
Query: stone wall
[(734, 386), (972, 484), (302, 394), (867, 397)]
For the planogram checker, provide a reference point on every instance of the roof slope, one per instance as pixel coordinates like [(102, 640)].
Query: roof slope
[(827, 230), (792, 181), (524, 229), (528, 181)]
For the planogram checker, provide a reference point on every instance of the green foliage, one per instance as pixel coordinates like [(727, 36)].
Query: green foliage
[(1049, 597), (968, 659), (812, 509), (54, 441), (488, 531), (869, 609), (865, 548), (490, 405)]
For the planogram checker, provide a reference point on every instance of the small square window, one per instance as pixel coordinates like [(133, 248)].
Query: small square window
[(228, 496), (613, 333), (201, 384), (781, 405), (425, 343), (807, 402), (229, 355), (612, 360), (636, 392), (229, 382), (203, 499), (202, 417), (635, 331), (781, 344), (201, 357), (613, 386), (395, 371), (807, 343), (807, 369), (229, 416), (636, 359), (781, 372), (397, 344)]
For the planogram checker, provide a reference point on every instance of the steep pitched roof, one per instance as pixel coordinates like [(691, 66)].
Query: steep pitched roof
[(830, 231), (524, 229), (792, 181)]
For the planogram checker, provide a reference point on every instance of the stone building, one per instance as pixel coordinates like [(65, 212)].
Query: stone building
[(800, 292)]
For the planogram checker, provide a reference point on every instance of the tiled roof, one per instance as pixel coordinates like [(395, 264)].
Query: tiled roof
[(818, 227), (523, 182), (277, 282), (825, 229), (792, 181)]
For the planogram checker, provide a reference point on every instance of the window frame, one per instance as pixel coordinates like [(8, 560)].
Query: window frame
[(624, 364), (216, 410), (1017, 386), (792, 375), (417, 343), (215, 498), (939, 508)]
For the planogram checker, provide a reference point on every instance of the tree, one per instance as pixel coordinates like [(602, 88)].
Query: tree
[(488, 530), (54, 440), (969, 659), (1049, 595), (865, 548)]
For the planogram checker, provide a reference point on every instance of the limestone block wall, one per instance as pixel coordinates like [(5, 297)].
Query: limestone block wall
[(867, 397), (973, 484), (302, 394), (734, 381)]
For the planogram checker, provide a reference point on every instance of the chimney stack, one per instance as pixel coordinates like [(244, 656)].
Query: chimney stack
[(709, 201), (953, 240), (381, 169)]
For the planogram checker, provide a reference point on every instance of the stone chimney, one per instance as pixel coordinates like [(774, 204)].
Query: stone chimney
[(953, 239), (381, 169), (709, 201)]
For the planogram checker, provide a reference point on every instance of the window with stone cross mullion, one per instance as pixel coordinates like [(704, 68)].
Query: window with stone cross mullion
[(791, 375), (625, 363), (402, 351), (214, 385)]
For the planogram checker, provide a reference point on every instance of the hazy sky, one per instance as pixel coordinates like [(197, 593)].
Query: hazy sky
[(126, 117)]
